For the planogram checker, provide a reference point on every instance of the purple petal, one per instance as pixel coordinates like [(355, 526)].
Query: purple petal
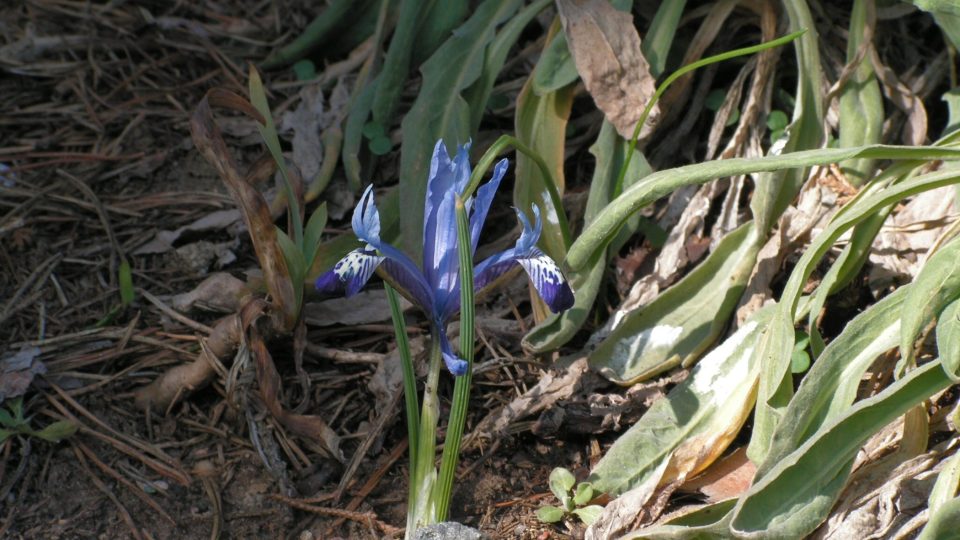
[(548, 281), (455, 364), (544, 273), (351, 273), (530, 234), (447, 179), (484, 198), (366, 219)]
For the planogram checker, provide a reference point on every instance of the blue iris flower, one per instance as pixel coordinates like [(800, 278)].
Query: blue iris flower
[(436, 288)]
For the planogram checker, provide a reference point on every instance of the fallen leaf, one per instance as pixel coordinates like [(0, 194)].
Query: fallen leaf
[(198, 256), (218, 292), (388, 377), (898, 251), (305, 425), (605, 47), (214, 221), (882, 498), (17, 371), (365, 307), (725, 479)]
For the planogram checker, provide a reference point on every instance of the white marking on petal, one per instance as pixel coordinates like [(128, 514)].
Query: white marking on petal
[(543, 271)]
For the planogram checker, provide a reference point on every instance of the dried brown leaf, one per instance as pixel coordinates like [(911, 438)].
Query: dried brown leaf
[(218, 292), (606, 49), (17, 371), (726, 478), (305, 425), (256, 212)]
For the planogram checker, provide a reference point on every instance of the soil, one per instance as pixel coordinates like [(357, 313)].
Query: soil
[(97, 161), (96, 128)]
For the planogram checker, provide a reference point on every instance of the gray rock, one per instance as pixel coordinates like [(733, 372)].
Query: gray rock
[(448, 530)]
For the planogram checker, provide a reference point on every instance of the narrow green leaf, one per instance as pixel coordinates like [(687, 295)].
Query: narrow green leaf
[(694, 423), (441, 112), (313, 233), (777, 344), (411, 402), (609, 151), (830, 388), (5, 434), (396, 65), (776, 189), (948, 339), (478, 95), (313, 35), (677, 326), (295, 264), (661, 183), (944, 522), (126, 283), (550, 514), (268, 132), (861, 103), (799, 491), (555, 69), (936, 286), (353, 133), (57, 431), (461, 388), (659, 37), (541, 124), (438, 20)]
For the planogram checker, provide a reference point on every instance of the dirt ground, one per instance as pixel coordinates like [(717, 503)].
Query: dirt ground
[(98, 167), (95, 103)]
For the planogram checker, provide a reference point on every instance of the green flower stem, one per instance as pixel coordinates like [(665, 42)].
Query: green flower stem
[(680, 73), (409, 383), (461, 389), (422, 510)]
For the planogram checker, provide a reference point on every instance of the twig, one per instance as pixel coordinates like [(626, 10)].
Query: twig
[(360, 517), (106, 491), (168, 311)]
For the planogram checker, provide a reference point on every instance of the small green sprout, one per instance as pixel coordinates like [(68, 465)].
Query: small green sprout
[(14, 423), (573, 501)]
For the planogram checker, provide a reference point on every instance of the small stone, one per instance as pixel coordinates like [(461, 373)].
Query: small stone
[(448, 530)]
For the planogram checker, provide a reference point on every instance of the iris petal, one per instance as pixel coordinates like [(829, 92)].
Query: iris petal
[(548, 280), (366, 218), (455, 364), (350, 273), (481, 206), (546, 276)]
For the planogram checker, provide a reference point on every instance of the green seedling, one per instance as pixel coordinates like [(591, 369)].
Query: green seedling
[(14, 423), (572, 500)]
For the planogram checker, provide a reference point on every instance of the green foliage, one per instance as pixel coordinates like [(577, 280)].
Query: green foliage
[(573, 501), (13, 422), (803, 442)]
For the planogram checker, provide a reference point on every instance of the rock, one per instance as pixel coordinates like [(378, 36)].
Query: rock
[(447, 531)]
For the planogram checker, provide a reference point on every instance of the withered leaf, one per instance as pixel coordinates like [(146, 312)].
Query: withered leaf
[(605, 47)]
